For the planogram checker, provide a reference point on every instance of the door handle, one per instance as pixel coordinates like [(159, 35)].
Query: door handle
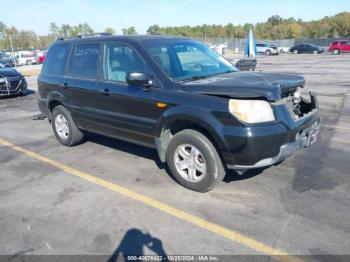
[(64, 85), (105, 92)]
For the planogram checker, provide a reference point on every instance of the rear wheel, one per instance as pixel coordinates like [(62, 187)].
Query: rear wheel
[(268, 52), (336, 51), (194, 161), (64, 128), (295, 52)]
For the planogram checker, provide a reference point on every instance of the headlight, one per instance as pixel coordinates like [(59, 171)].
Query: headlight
[(251, 111), (2, 80)]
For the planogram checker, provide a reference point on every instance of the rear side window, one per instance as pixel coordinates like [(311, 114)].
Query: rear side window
[(85, 61), (56, 60)]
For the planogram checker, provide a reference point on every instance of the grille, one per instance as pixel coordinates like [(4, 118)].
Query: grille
[(290, 106), (287, 100), (14, 84), (11, 86)]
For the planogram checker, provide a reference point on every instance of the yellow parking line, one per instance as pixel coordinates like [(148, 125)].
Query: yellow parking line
[(215, 228)]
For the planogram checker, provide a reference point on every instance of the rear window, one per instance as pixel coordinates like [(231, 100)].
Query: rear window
[(56, 59), (85, 61)]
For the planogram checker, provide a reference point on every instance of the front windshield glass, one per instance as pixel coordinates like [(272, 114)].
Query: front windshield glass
[(188, 60)]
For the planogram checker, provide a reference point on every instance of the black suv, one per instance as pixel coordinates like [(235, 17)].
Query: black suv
[(175, 94)]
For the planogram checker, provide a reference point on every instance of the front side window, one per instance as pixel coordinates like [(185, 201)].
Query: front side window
[(56, 59), (187, 60), (119, 60), (85, 61)]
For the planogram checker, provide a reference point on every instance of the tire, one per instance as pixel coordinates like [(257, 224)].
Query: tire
[(336, 52), (295, 52), (268, 52), (67, 133), (207, 159)]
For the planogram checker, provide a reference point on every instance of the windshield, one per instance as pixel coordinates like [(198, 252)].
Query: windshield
[(188, 60)]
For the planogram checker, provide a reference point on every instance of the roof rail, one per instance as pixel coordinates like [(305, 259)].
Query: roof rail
[(94, 34), (82, 36)]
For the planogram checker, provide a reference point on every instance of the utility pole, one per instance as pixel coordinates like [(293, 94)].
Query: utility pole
[(14, 61)]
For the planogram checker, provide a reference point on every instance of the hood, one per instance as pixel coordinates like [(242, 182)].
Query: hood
[(271, 86), (9, 72)]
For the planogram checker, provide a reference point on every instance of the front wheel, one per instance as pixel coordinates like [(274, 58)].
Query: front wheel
[(295, 52), (194, 161), (268, 52), (66, 132), (315, 52)]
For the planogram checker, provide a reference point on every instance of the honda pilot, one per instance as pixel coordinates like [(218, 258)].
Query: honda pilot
[(176, 95)]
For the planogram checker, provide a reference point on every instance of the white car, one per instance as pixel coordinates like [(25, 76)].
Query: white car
[(25, 58), (283, 49), (267, 49)]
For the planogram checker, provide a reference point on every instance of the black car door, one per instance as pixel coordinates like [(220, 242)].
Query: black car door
[(126, 111), (80, 84), (309, 49)]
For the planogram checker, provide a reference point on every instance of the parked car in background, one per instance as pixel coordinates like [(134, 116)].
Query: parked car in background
[(340, 46), (40, 57), (25, 58), (306, 49), (11, 82), (283, 49), (176, 95), (266, 49), (6, 60)]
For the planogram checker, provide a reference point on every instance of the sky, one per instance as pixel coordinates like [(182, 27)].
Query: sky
[(118, 14)]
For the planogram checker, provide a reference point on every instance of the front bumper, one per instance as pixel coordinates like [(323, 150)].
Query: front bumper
[(306, 138), (267, 145)]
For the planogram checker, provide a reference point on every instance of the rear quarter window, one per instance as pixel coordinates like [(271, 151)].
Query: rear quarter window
[(85, 60), (56, 59)]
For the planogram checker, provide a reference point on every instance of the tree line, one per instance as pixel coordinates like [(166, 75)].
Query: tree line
[(275, 27)]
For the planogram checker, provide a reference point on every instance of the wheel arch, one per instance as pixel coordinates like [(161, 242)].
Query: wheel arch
[(55, 99), (177, 120)]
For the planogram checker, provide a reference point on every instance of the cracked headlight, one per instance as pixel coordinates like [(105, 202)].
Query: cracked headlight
[(251, 111)]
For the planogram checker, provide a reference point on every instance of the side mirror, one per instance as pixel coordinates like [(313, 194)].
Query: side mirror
[(140, 79)]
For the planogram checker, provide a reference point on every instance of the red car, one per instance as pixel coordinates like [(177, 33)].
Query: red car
[(40, 57), (340, 46)]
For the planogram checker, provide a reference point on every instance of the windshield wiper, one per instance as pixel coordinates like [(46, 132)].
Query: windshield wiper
[(223, 73), (193, 78)]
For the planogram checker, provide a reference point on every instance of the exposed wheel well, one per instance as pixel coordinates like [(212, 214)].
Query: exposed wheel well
[(175, 127), (52, 105)]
